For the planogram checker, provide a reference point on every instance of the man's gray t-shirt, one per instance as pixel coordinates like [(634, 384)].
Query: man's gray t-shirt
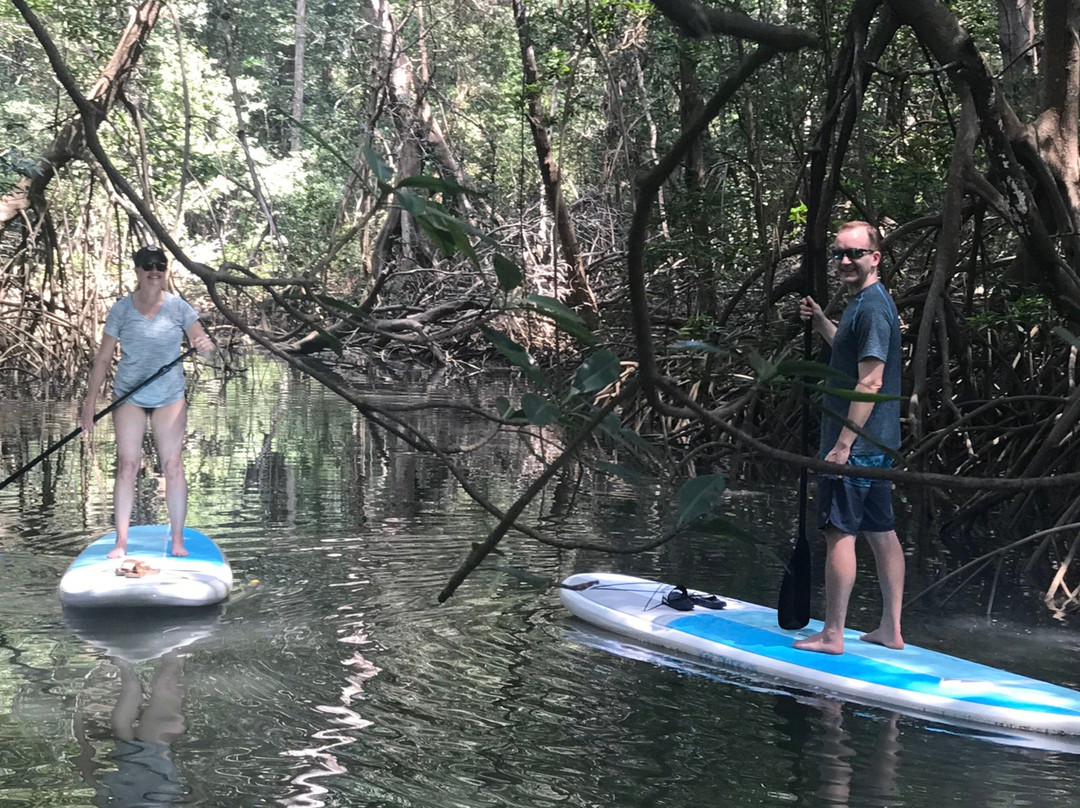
[(147, 345), (869, 328)]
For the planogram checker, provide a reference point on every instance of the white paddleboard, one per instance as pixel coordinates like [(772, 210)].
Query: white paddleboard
[(150, 576), (745, 637)]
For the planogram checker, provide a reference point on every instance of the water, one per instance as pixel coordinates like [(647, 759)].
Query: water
[(332, 676)]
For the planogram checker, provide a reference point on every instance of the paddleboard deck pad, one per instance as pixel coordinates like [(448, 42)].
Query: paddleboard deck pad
[(745, 637), (147, 575)]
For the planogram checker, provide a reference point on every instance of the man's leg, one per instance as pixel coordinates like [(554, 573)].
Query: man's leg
[(889, 555), (839, 580)]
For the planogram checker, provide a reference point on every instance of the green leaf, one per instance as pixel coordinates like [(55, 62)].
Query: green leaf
[(465, 247), (723, 526), (415, 205), (510, 275), (334, 343), (503, 406), (539, 410), (337, 304), (514, 352), (566, 319), (698, 345), (597, 372), (383, 172), (765, 372), (698, 497), (444, 239), (1068, 336), (437, 184), (622, 470), (614, 429), (855, 395), (808, 369)]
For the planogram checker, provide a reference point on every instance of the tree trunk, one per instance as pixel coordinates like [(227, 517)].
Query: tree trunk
[(298, 77), (28, 196), (581, 296), (690, 105), (414, 123), (1016, 35)]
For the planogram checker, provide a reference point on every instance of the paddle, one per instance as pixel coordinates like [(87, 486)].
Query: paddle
[(157, 375), (793, 609)]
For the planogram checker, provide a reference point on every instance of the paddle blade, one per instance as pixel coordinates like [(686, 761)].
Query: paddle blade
[(793, 610)]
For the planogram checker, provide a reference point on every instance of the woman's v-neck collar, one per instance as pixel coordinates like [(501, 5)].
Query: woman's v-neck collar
[(153, 316)]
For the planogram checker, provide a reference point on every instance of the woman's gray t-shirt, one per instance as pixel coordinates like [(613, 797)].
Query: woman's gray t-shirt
[(147, 345)]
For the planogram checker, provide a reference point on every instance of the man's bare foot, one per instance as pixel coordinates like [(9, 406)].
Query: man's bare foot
[(822, 643), (178, 549), (880, 636), (119, 551)]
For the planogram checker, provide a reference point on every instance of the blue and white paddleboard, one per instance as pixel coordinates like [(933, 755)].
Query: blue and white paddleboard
[(148, 575), (745, 637)]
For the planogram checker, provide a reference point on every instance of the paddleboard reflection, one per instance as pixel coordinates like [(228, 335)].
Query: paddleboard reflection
[(128, 753), (140, 635)]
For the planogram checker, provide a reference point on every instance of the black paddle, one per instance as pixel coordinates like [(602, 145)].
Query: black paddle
[(157, 375), (793, 609)]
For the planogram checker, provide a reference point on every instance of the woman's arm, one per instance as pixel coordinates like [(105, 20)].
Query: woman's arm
[(98, 370), (199, 339)]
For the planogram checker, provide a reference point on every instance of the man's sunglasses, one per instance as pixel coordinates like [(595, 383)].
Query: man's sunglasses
[(851, 253)]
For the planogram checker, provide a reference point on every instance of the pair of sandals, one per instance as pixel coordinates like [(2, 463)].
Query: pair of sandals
[(135, 568), (683, 601)]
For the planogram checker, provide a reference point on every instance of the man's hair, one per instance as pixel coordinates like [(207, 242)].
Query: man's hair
[(873, 235)]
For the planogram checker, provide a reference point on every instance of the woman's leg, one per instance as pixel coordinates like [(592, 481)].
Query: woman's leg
[(169, 424), (129, 422)]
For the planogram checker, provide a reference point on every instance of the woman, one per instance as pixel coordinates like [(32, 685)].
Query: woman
[(149, 324)]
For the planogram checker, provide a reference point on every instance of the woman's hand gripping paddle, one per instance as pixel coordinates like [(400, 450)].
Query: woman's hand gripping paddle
[(793, 609)]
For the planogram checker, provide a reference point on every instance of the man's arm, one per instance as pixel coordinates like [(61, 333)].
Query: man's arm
[(871, 376), (810, 310)]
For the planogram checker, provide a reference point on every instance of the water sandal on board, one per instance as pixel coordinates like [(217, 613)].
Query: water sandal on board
[(135, 568), (683, 601)]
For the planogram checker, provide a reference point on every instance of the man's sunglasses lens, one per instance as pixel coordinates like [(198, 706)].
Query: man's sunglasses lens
[(851, 253)]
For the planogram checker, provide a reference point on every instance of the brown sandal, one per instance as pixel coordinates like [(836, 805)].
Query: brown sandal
[(135, 568)]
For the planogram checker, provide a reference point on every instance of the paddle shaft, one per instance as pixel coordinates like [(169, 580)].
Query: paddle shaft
[(793, 608), (78, 430)]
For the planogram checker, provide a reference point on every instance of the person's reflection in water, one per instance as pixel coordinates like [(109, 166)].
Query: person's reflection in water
[(827, 761), (838, 759), (145, 724)]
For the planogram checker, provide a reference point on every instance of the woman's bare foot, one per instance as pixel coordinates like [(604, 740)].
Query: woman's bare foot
[(880, 636), (824, 642), (119, 551), (178, 548)]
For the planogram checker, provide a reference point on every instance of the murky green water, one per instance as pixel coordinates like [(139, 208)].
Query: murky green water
[(332, 677)]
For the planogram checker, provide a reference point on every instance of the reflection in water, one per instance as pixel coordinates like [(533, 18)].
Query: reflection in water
[(145, 721), (144, 734), (839, 761), (335, 679), (324, 761)]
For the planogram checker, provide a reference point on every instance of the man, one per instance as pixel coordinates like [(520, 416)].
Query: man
[(865, 349)]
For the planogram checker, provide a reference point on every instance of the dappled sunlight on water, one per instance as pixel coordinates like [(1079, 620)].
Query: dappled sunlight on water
[(333, 676)]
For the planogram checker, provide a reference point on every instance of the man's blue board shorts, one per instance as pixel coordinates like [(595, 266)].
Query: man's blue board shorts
[(856, 505)]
